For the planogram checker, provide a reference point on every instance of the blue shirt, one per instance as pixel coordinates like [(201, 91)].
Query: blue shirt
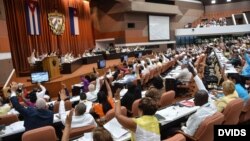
[(246, 68), (242, 92)]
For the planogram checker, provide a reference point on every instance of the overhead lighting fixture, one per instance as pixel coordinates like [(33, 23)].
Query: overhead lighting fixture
[(228, 0), (213, 1)]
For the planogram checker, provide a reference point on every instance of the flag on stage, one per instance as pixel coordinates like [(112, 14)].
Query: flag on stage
[(32, 17), (74, 27)]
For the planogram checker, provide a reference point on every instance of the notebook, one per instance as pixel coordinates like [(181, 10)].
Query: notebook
[(115, 128)]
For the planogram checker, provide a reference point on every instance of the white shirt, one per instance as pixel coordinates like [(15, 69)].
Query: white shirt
[(41, 94), (199, 83), (92, 96), (195, 119), (184, 75), (77, 121), (88, 105)]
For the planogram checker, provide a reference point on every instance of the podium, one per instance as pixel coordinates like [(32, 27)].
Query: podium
[(51, 64)]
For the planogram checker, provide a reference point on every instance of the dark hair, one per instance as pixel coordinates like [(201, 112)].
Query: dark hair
[(200, 98), (88, 77), (83, 96), (80, 108), (148, 106), (157, 82), (103, 99), (101, 134), (131, 87), (32, 96), (237, 78)]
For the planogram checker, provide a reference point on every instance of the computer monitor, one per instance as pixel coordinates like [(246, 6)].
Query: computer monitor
[(140, 54), (124, 58), (101, 64), (39, 77)]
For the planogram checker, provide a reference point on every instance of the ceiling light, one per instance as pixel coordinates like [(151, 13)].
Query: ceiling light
[(228, 0), (213, 1)]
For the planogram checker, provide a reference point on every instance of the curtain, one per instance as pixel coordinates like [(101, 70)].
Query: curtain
[(22, 44)]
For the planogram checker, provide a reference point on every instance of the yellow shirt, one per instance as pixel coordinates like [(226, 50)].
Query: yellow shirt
[(223, 101), (147, 129)]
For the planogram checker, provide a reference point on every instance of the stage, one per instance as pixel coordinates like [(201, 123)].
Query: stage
[(53, 86)]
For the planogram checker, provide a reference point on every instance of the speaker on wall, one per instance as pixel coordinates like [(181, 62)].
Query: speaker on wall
[(131, 25)]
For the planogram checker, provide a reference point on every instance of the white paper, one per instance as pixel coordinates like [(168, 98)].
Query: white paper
[(115, 128)]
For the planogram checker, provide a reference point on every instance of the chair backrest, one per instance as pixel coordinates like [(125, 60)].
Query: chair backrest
[(78, 132), (245, 114), (167, 98), (232, 111), (8, 119), (67, 104), (176, 137), (46, 133), (111, 113), (135, 107), (205, 131)]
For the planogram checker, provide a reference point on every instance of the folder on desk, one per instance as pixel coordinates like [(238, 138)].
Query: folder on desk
[(187, 103), (115, 128)]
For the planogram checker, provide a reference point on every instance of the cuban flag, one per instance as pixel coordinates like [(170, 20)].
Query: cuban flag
[(74, 27), (32, 17)]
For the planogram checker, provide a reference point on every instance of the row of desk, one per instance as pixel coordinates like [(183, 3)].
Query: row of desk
[(114, 55), (224, 62), (68, 68)]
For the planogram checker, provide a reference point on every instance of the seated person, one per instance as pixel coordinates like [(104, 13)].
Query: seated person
[(133, 93), (144, 128), (127, 78), (99, 133), (4, 107), (157, 83), (155, 95), (83, 99), (80, 117), (229, 95), (93, 90), (40, 92), (206, 109), (33, 117), (246, 68), (105, 101), (30, 99), (183, 76), (239, 87)]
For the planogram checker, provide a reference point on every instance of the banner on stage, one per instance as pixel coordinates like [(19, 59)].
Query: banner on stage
[(32, 17), (74, 25)]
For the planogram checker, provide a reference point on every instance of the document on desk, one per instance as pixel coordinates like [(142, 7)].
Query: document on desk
[(187, 103), (115, 128)]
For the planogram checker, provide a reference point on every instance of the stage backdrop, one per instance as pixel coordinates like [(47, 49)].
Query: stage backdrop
[(22, 42)]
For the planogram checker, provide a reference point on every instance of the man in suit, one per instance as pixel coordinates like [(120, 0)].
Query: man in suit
[(34, 117)]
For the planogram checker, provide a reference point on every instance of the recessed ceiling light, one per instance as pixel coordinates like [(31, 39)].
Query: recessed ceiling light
[(213, 1), (228, 0)]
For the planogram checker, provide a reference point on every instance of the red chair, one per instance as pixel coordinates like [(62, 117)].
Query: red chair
[(111, 113), (232, 112), (176, 137), (78, 132), (167, 98), (68, 106), (46, 133), (205, 131), (8, 119), (245, 113)]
